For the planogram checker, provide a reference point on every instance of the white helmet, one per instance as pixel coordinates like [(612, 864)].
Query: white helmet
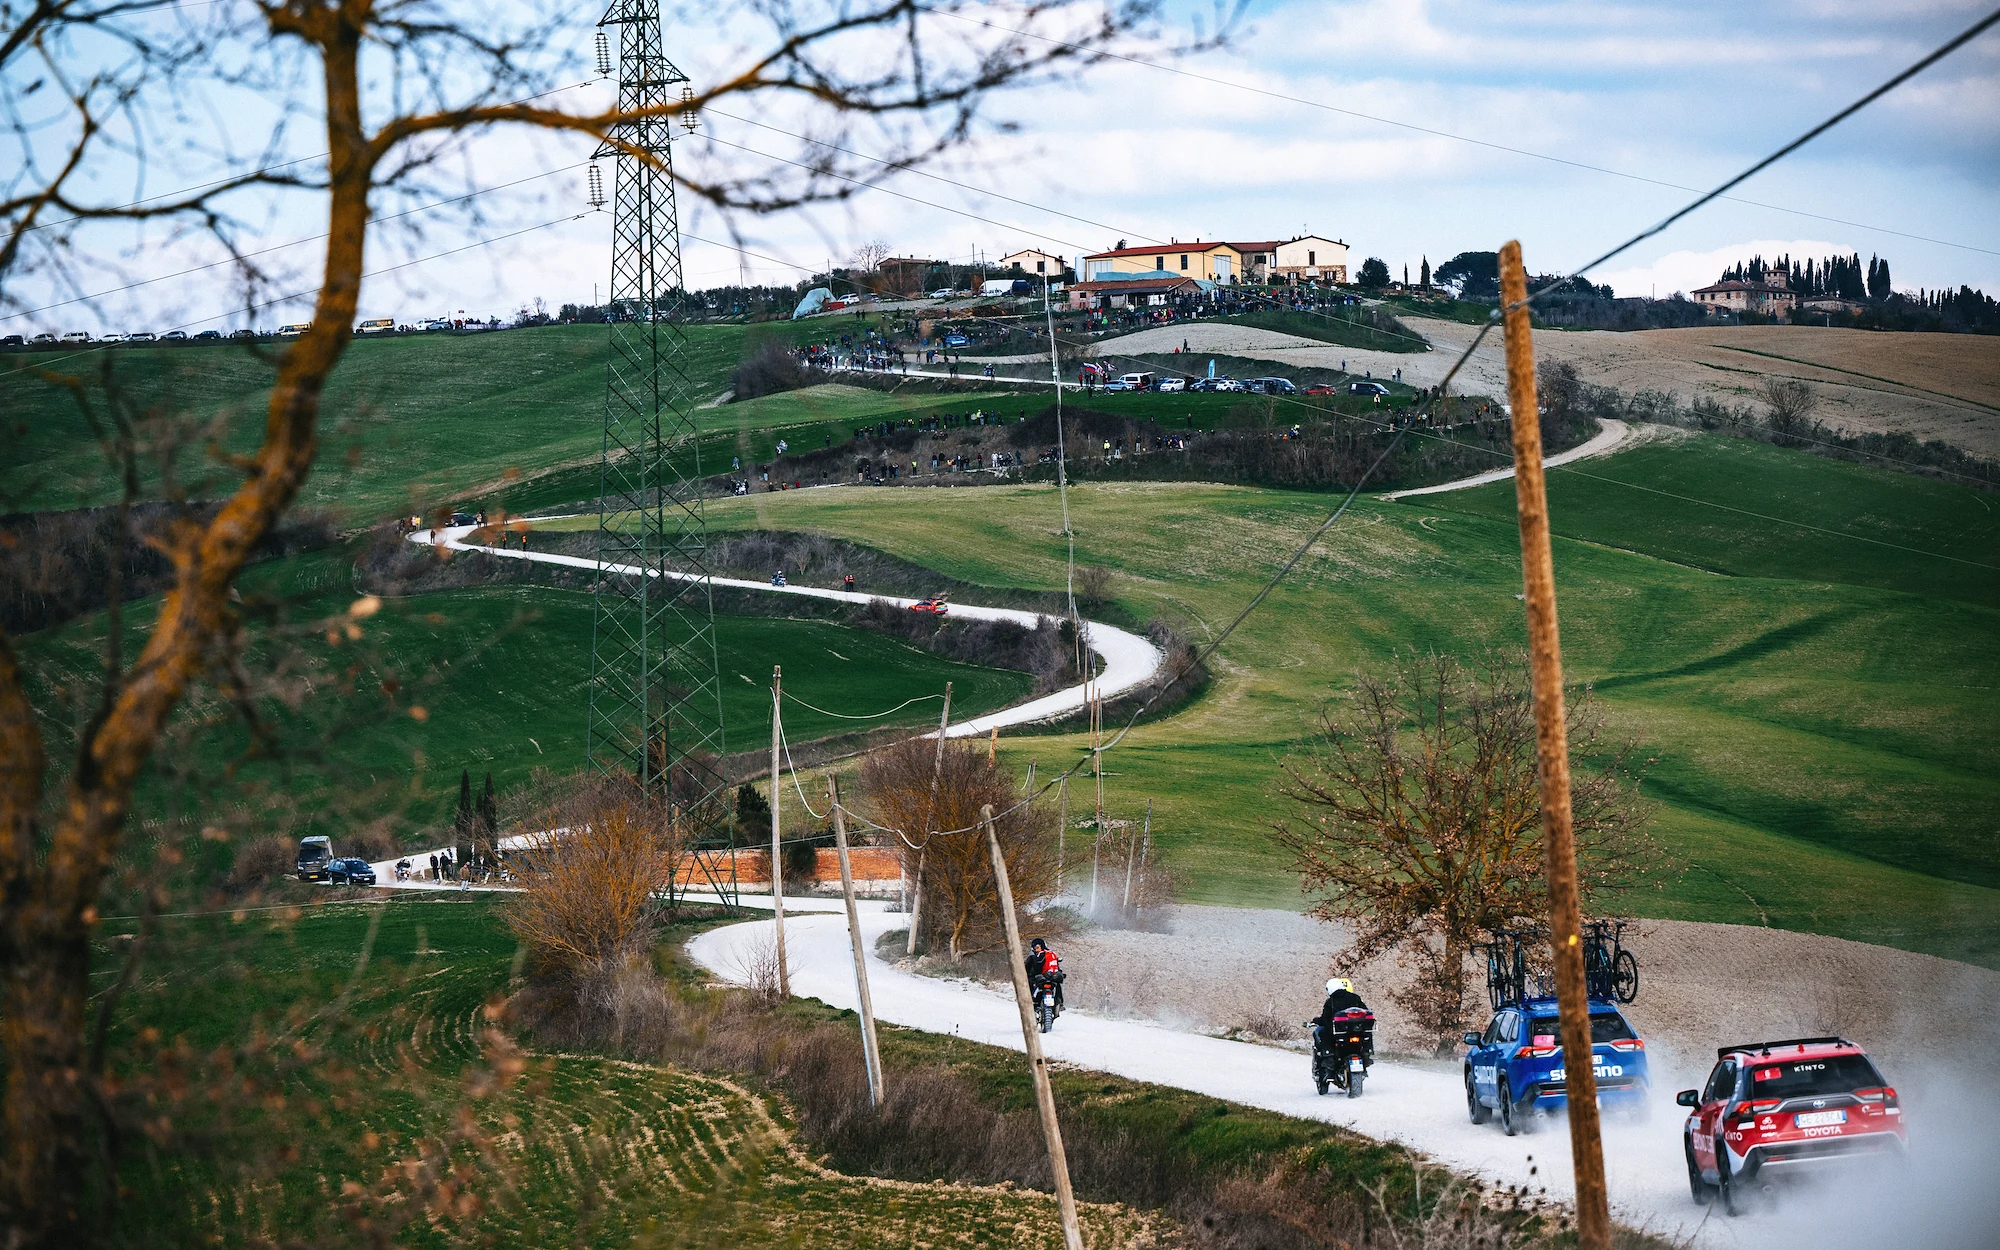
[(1339, 983)]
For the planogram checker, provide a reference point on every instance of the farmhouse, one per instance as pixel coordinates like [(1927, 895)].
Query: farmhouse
[(1213, 262), (1309, 258), (1040, 264), (1771, 296)]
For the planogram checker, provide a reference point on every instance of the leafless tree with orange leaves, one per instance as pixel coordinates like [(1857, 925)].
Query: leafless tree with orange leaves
[(960, 913)]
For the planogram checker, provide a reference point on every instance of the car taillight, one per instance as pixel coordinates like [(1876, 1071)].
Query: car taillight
[(1539, 1052), (1628, 1043), (1886, 1096)]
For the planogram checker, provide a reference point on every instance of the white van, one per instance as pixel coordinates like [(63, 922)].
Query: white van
[(1138, 381), (295, 330), (377, 325)]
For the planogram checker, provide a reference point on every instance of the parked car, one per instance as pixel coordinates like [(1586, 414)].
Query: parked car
[(315, 857), (294, 330), (209, 334), (1172, 386), (112, 338), (142, 336), (377, 325), (174, 336), (1366, 388), (1270, 386), (46, 336), (1322, 388), (350, 872), (464, 518), (1116, 384), (1796, 1105), (77, 336), (1516, 1066), (12, 340), (956, 340)]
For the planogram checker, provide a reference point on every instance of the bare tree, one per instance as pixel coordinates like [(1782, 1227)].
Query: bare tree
[(960, 907), (588, 883), (1421, 827), (869, 255), (1792, 404), (400, 95)]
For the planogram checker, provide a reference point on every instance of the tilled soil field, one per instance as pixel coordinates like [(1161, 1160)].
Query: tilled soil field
[(1943, 386)]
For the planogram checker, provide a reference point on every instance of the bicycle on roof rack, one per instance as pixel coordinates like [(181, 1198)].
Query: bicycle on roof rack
[(1609, 970), (1507, 979)]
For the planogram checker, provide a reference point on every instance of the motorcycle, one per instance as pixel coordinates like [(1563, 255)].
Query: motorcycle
[(1045, 1003), (1342, 1060)]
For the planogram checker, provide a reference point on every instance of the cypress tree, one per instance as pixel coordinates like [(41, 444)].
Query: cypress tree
[(1424, 274), (461, 823)]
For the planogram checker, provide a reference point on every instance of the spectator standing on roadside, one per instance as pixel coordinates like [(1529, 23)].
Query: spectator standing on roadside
[(434, 867)]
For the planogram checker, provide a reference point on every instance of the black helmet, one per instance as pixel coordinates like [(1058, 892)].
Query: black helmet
[(1038, 944)]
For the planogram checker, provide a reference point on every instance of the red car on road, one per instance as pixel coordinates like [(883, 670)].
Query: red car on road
[(935, 605), (1795, 1105)]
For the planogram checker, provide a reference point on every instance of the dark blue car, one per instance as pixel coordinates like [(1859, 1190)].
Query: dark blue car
[(350, 872), (1516, 1066)]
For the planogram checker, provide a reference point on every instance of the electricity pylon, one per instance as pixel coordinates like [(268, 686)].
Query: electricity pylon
[(655, 703)]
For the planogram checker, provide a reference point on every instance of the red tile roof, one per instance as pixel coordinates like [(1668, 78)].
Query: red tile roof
[(1160, 249)]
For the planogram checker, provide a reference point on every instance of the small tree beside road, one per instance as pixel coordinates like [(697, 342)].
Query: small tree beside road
[(960, 909), (1420, 821)]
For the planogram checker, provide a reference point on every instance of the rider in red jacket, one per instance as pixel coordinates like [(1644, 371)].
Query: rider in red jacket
[(1044, 965)]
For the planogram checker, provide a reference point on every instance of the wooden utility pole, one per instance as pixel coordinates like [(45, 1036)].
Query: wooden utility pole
[(871, 1054), (777, 851), (1132, 853), (1096, 767), (1593, 1210), (993, 744), (1062, 831), (930, 810), (1038, 1067)]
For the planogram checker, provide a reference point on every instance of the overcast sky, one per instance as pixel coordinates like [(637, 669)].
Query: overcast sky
[(1681, 93)]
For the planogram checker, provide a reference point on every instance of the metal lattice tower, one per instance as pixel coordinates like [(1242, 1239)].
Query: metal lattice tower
[(655, 702)]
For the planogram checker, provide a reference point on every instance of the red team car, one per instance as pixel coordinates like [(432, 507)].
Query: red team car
[(1794, 1105), (935, 605)]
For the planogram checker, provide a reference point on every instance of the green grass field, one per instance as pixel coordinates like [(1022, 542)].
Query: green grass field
[(1820, 724), (335, 1069), (411, 422), (500, 674)]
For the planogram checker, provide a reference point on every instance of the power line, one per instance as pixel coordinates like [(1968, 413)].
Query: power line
[(1446, 134), (922, 698), (1946, 49)]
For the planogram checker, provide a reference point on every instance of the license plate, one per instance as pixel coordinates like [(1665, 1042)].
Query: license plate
[(1354, 1065), (1813, 1119)]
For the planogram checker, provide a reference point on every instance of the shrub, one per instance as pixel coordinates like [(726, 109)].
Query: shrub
[(262, 860)]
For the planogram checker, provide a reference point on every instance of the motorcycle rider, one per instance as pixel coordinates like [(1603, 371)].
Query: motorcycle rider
[(1340, 996), (1044, 965)]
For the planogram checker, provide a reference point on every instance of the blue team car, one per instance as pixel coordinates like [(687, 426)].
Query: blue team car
[(1516, 1066)]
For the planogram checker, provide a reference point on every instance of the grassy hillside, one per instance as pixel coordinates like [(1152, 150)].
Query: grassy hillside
[(500, 674), (570, 1149), (413, 421), (1823, 730)]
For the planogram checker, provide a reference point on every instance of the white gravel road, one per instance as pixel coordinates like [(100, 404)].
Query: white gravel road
[(1129, 660), (1951, 1203)]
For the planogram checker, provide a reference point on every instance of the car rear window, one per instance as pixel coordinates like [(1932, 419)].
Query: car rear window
[(1605, 1027), (1798, 1078)]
